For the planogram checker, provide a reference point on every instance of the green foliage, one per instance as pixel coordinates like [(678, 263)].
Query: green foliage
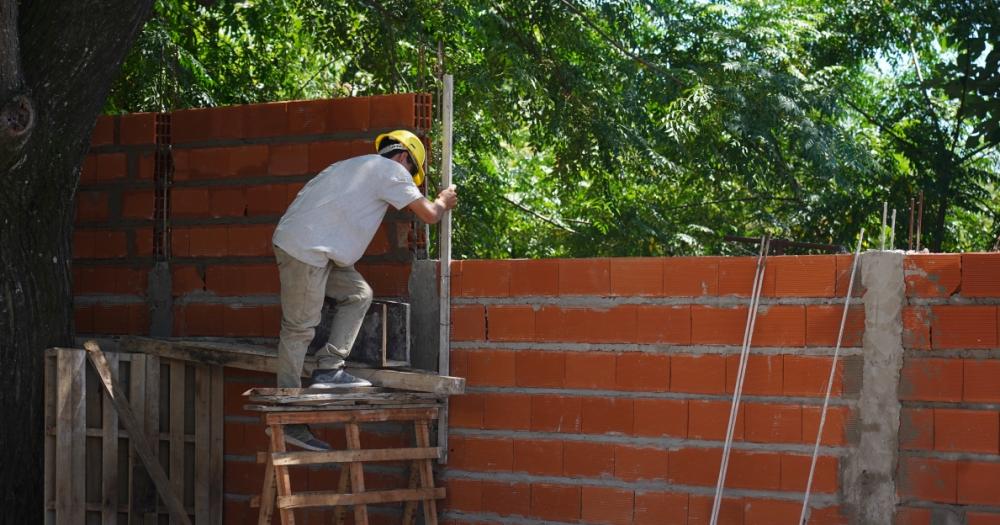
[(637, 127)]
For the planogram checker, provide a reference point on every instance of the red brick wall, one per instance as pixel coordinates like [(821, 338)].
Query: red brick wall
[(599, 389), (113, 239), (234, 172), (950, 389)]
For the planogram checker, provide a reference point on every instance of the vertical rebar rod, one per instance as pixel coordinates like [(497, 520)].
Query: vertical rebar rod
[(909, 238), (920, 218), (885, 212), (829, 381), (892, 231), (758, 281)]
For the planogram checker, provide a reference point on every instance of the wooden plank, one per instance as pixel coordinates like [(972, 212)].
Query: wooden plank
[(139, 441), (342, 408), (216, 466), (267, 498), (70, 436), (49, 396), (202, 442), (96, 508), (122, 434), (354, 416), (152, 429), (342, 485), (348, 456), (264, 391), (335, 399), (281, 480), (243, 356), (411, 380), (139, 483), (359, 500), (144, 399), (426, 472), (263, 359), (444, 238), (357, 477), (176, 454), (109, 455), (409, 508)]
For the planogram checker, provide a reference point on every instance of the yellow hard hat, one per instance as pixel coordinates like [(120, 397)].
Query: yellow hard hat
[(412, 145)]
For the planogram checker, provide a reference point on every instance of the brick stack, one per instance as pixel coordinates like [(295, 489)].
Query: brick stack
[(599, 389), (950, 390)]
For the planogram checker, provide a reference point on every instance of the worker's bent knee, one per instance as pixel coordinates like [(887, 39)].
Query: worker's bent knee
[(361, 295), (365, 293)]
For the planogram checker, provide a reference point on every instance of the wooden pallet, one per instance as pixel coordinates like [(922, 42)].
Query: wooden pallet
[(277, 492), (93, 469)]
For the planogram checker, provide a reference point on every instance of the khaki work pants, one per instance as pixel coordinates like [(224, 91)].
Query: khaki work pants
[(303, 288)]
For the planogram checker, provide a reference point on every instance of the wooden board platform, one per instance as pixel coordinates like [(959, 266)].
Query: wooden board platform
[(263, 359)]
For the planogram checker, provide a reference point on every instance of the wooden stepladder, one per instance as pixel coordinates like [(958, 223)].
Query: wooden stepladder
[(277, 490)]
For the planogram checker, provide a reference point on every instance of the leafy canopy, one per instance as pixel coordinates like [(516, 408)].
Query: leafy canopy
[(638, 127)]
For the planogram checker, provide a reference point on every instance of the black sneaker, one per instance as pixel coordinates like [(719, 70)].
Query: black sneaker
[(335, 379), (300, 436)]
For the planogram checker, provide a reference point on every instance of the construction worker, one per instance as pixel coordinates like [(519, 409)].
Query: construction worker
[(323, 233)]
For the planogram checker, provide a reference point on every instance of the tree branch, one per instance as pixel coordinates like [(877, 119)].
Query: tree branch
[(961, 104), (538, 215), (920, 76), (614, 43), (879, 124), (976, 151), (724, 201)]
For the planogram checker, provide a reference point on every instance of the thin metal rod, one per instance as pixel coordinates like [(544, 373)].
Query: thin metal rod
[(444, 354), (758, 281), (892, 231), (920, 218), (909, 239), (885, 212), (829, 381)]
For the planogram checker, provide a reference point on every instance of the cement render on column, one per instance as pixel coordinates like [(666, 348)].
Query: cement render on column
[(161, 308), (869, 484), (425, 320)]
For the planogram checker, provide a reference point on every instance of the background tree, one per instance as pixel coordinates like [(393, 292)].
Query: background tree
[(636, 127), (57, 62), (923, 80)]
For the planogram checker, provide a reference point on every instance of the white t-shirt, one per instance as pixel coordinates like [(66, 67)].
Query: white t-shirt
[(336, 214)]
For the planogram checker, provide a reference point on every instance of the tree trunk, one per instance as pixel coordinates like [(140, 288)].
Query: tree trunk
[(57, 63)]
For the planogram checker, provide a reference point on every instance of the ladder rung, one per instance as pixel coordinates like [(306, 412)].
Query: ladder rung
[(351, 416), (332, 499), (350, 456)]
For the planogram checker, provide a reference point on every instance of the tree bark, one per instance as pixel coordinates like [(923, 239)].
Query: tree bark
[(57, 63)]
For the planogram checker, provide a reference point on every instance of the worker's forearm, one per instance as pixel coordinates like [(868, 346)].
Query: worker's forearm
[(439, 209)]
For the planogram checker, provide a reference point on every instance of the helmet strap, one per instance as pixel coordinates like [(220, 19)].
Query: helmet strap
[(393, 147)]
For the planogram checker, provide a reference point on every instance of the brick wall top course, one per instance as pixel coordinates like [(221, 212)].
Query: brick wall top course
[(303, 117), (969, 275), (822, 276)]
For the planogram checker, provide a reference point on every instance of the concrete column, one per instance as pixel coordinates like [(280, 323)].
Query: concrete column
[(160, 300), (425, 317), (869, 474)]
